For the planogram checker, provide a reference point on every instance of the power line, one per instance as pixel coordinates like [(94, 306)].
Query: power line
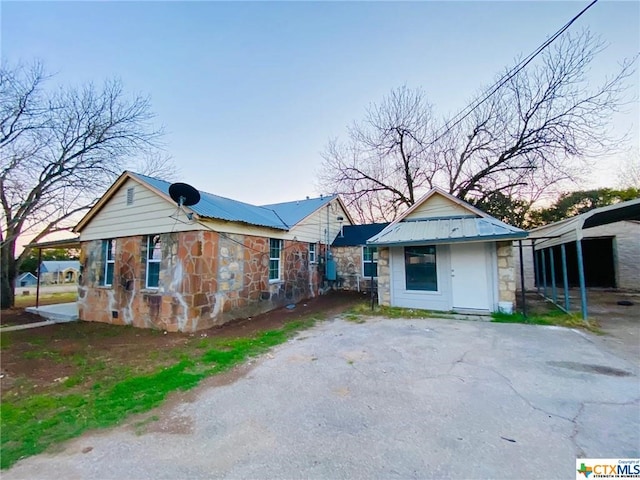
[(469, 109)]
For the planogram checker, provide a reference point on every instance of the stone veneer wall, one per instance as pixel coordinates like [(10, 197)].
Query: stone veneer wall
[(349, 268), (384, 277), (506, 272), (206, 279)]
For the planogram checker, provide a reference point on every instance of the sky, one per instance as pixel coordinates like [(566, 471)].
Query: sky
[(250, 93)]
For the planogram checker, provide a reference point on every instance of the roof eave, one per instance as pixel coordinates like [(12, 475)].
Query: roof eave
[(442, 241)]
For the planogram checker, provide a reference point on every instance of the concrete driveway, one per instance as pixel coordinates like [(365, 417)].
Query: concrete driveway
[(384, 399)]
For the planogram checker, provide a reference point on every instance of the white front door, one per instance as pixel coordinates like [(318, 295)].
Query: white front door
[(470, 287)]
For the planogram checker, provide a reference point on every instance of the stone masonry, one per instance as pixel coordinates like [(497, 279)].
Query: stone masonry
[(384, 277), (206, 279), (349, 268), (506, 272)]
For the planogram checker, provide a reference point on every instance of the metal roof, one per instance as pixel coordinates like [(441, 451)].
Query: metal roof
[(354, 235), (446, 230), (571, 229), (293, 212), (214, 206)]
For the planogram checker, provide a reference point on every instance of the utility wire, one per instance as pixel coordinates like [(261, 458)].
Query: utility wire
[(469, 109)]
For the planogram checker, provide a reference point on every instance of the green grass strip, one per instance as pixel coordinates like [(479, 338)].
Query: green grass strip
[(31, 425)]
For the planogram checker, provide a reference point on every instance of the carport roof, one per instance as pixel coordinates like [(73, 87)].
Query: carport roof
[(571, 229), (446, 230)]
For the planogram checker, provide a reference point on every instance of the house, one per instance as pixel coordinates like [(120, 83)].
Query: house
[(444, 254), (26, 279), (611, 256), (59, 271), (147, 262), (356, 262)]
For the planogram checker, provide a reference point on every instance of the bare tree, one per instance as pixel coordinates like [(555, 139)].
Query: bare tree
[(629, 174), (541, 127), (59, 150), (380, 167)]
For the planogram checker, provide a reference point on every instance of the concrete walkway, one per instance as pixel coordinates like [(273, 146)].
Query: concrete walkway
[(385, 399), (59, 312)]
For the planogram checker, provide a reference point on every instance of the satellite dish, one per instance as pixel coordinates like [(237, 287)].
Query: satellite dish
[(184, 194)]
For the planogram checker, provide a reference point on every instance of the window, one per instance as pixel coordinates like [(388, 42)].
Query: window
[(312, 253), (154, 257), (420, 268), (109, 255), (370, 261), (275, 247)]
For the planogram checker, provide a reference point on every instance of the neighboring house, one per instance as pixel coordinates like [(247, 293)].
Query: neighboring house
[(148, 263), (27, 279), (59, 271), (611, 255), (444, 254), (356, 262)]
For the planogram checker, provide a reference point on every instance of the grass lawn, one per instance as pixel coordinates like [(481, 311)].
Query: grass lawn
[(546, 316), (107, 374), (24, 301)]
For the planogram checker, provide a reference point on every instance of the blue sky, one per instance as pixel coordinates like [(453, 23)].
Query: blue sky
[(250, 92)]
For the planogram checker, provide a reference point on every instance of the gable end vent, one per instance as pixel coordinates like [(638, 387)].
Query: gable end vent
[(130, 196)]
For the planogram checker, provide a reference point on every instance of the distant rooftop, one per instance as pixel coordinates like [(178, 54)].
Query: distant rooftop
[(52, 266)]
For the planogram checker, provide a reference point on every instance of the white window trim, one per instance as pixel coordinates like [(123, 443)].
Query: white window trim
[(314, 252), (372, 261), (108, 245), (150, 260), (279, 259)]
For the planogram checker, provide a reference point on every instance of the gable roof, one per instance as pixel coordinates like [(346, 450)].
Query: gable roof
[(438, 191), (25, 275), (49, 266), (221, 208), (354, 235), (294, 212), (280, 216), (477, 226)]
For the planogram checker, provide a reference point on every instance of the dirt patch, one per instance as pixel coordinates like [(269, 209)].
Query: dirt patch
[(49, 358)]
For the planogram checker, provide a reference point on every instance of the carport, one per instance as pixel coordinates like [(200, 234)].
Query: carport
[(568, 234), (65, 243)]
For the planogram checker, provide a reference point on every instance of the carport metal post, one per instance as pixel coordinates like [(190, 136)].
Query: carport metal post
[(38, 279), (544, 273), (565, 280), (522, 293), (554, 291), (583, 286), (536, 266)]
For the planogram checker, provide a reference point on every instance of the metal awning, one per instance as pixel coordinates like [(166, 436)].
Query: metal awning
[(64, 243), (446, 230), (571, 229)]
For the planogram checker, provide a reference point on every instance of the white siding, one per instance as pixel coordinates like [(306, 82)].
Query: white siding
[(438, 206), (151, 214), (401, 297), (313, 228)]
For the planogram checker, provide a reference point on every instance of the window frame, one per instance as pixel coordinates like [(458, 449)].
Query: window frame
[(277, 259), (108, 250), (313, 257), (435, 269), (150, 259), (373, 260)]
